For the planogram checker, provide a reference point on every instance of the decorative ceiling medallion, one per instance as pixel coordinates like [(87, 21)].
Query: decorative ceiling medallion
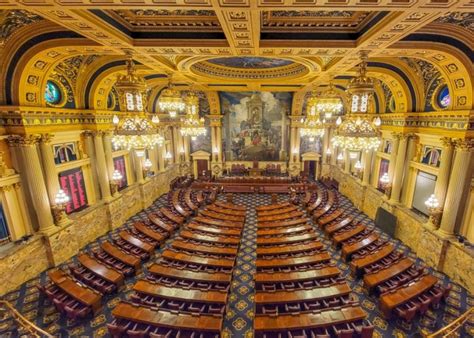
[(249, 68), (350, 21), (250, 62)]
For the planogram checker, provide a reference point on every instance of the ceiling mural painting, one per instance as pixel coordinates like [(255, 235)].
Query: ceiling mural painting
[(250, 62)]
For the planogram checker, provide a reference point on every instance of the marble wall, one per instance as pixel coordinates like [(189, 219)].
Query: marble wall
[(24, 261), (446, 256)]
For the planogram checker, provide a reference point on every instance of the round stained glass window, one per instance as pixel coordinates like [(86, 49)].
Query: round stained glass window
[(443, 99), (52, 93)]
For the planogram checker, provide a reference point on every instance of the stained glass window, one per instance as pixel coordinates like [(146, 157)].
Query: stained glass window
[(443, 99), (52, 93)]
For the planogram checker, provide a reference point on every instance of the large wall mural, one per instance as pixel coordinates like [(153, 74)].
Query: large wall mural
[(255, 125), (203, 142)]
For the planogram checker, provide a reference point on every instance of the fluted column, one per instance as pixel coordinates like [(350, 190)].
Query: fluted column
[(219, 143), (444, 169), (367, 167), (138, 168), (102, 172), (152, 155), (51, 176), (292, 143), (457, 182), (31, 168), (186, 142), (161, 157), (297, 143), (90, 151), (107, 139), (398, 170)]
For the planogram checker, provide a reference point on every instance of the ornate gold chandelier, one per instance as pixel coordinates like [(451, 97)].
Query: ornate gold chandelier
[(312, 125), (358, 131), (191, 124), (170, 101), (135, 130), (329, 103)]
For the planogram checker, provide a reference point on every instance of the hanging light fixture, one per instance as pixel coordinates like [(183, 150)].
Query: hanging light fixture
[(170, 101), (191, 124), (312, 125), (358, 132), (329, 103), (135, 130)]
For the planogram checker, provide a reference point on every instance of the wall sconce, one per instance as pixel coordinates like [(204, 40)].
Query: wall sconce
[(385, 182), (434, 211), (116, 178), (181, 150), (59, 208), (295, 153), (353, 155), (146, 167)]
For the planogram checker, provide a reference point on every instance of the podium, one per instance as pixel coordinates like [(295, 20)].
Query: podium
[(256, 172)]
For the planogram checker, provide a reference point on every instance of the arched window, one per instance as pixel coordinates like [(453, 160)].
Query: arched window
[(431, 156), (64, 153), (443, 99), (53, 94)]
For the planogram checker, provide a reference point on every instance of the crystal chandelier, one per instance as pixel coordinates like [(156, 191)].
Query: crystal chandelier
[(329, 103), (135, 130), (312, 125), (170, 101), (191, 124), (358, 132)]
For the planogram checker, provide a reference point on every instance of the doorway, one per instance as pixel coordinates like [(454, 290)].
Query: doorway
[(202, 166)]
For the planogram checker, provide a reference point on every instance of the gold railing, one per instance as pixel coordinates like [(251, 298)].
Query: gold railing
[(450, 329), (31, 329)]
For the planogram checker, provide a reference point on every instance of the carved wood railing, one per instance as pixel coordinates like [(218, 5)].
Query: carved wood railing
[(31, 329), (450, 329)]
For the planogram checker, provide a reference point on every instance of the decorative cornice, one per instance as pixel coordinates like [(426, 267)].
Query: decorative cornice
[(464, 144)]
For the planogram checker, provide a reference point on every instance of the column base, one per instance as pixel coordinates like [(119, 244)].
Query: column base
[(64, 222), (49, 230), (444, 234), (430, 226)]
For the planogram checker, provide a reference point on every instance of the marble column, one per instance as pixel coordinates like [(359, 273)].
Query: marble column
[(444, 169), (219, 143), (90, 151), (187, 146), (298, 143), (31, 167), (213, 144), (347, 162), (152, 155), (138, 161), (367, 167), (109, 160), (51, 176), (398, 170), (325, 145), (411, 152), (292, 143), (458, 180), (393, 156), (161, 157), (102, 171)]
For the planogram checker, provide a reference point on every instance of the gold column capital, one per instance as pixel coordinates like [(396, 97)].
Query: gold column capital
[(22, 141), (464, 144), (46, 138), (447, 142)]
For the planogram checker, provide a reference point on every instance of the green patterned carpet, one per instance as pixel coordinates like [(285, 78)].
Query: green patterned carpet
[(240, 310)]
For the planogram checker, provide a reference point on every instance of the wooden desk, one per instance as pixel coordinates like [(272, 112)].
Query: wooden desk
[(256, 172), (189, 201), (195, 259), (329, 218), (371, 280), (281, 224), (147, 247), (216, 277), (349, 249), (277, 211), (289, 215), (332, 228), (224, 210), (312, 320), (171, 216), (286, 239), (211, 239), (360, 263), (391, 300), (200, 197), (278, 297), (214, 230), (215, 222), (101, 270), (285, 249), (222, 217), (313, 206), (272, 206), (175, 293), (121, 256), (141, 227), (297, 276), (307, 197), (80, 293), (140, 314), (283, 231), (230, 206), (207, 249), (176, 204), (292, 261), (169, 228), (347, 234)]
